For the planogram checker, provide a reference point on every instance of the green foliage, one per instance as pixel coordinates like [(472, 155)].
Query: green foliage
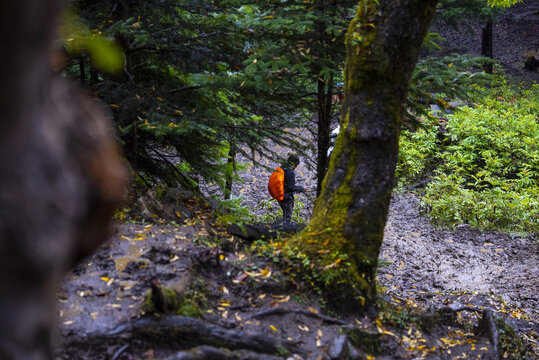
[(482, 163), (435, 80), (77, 39), (273, 212), (453, 11), (511, 344), (182, 95), (231, 211), (503, 3)]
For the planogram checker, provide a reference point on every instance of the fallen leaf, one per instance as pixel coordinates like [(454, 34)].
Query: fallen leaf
[(273, 328)]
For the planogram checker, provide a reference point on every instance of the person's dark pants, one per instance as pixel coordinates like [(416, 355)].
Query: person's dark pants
[(287, 206)]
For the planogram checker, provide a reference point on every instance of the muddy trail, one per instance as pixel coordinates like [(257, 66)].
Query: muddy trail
[(436, 286)]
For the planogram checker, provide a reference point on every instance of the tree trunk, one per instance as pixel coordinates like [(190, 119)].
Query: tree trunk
[(230, 171), (487, 45), (60, 176), (324, 123), (383, 43)]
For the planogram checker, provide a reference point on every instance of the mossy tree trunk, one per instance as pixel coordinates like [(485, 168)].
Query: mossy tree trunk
[(345, 233)]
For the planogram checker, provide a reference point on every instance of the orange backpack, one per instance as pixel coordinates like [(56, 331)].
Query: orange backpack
[(276, 184)]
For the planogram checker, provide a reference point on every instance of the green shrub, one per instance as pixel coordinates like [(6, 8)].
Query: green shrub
[(483, 163)]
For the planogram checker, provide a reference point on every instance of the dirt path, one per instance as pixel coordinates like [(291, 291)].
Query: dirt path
[(429, 266)]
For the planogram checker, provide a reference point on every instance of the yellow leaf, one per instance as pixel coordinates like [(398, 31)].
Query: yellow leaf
[(370, 357), (303, 328), (160, 98), (484, 250), (105, 279), (243, 83), (221, 257), (273, 328), (94, 315), (114, 105), (266, 272), (389, 276), (313, 310)]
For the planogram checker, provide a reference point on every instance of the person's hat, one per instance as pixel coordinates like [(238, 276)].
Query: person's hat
[(293, 159)]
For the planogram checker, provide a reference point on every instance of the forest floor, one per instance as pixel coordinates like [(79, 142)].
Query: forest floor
[(248, 302)]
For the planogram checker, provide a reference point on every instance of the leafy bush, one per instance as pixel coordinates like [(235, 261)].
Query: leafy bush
[(231, 211), (483, 160), (273, 212)]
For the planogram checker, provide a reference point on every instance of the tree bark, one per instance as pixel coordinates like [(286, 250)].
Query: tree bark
[(324, 123), (230, 170), (60, 176), (487, 45), (383, 43)]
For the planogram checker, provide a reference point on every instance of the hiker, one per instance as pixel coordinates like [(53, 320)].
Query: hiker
[(290, 187)]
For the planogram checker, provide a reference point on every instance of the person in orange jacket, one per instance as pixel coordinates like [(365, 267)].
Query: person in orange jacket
[(290, 187)]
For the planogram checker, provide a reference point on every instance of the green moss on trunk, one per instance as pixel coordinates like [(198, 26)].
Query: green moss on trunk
[(343, 238)]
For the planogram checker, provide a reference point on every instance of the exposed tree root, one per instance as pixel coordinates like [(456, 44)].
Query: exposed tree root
[(486, 327), (209, 353), (183, 332), (281, 311)]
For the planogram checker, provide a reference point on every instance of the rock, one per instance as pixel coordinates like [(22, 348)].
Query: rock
[(165, 203), (339, 347)]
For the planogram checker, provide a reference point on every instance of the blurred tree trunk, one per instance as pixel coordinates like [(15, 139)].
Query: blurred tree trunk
[(346, 231), (60, 176)]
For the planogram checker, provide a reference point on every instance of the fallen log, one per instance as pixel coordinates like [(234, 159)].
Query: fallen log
[(252, 232)]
